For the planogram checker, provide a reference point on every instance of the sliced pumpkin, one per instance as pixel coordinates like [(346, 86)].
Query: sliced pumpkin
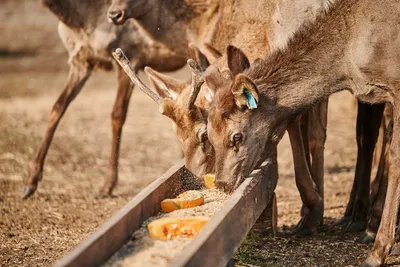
[(209, 180), (188, 199), (168, 228)]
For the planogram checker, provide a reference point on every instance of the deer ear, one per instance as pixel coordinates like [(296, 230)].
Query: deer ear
[(167, 108), (199, 57), (245, 92), (166, 87), (237, 60)]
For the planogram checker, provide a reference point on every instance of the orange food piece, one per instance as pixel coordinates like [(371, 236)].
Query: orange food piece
[(188, 199), (168, 228), (209, 180)]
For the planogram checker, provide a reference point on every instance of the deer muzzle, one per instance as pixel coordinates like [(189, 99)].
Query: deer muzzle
[(117, 17)]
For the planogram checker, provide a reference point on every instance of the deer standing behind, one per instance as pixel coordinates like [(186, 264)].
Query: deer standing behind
[(89, 40), (257, 27), (355, 47)]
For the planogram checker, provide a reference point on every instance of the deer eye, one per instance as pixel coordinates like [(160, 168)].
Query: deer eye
[(237, 138)]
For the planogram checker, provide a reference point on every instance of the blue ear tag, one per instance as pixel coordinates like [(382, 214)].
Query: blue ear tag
[(251, 101)]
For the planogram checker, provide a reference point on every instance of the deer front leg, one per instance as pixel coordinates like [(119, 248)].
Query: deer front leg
[(368, 122), (386, 233), (367, 131), (317, 123), (76, 79), (307, 189), (118, 117), (378, 192)]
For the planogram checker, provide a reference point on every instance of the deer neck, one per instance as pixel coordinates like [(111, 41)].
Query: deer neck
[(175, 21), (79, 14), (313, 65)]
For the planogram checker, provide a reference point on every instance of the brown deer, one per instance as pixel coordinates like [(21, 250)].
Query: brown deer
[(354, 46), (89, 40), (185, 105), (220, 23), (258, 28)]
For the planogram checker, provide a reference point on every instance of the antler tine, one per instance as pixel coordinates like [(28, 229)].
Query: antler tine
[(197, 81), (121, 58)]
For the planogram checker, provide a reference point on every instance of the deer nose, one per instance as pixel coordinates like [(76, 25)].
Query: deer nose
[(116, 16)]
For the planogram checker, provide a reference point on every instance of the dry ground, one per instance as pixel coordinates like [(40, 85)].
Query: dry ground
[(37, 231)]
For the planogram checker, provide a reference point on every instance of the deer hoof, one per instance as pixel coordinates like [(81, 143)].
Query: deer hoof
[(356, 226), (302, 231), (370, 263), (28, 191), (367, 238), (345, 220), (102, 195)]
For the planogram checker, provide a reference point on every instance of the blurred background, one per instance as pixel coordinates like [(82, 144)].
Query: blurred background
[(33, 70)]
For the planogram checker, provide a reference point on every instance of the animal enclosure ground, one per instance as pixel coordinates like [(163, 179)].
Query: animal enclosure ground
[(38, 231)]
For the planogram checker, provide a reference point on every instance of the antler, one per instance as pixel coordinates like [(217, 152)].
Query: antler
[(121, 58), (197, 81)]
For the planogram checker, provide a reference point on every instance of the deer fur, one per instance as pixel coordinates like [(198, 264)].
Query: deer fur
[(215, 24), (89, 40), (257, 27), (355, 47)]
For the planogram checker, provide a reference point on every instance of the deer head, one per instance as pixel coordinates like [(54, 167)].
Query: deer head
[(180, 102), (189, 119), (238, 123)]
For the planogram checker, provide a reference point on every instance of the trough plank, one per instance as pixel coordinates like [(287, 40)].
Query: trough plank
[(100, 246), (223, 234)]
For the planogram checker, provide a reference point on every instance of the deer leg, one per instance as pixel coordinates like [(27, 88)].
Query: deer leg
[(118, 117), (386, 234), (304, 132), (380, 184), (375, 184), (368, 122), (308, 192), (362, 114), (76, 79), (317, 124)]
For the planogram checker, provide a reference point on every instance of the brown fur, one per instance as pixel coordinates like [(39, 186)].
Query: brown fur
[(189, 124), (89, 40), (355, 47), (251, 25)]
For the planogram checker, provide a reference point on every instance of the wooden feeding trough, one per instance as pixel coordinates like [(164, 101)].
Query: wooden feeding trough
[(216, 242)]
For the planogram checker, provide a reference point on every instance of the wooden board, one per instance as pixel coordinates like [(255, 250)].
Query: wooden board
[(223, 234), (96, 249), (213, 246)]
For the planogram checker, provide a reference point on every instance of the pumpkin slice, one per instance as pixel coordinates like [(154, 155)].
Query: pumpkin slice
[(209, 180), (188, 199), (168, 228)]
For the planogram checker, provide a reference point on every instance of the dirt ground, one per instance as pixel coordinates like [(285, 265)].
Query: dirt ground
[(38, 231)]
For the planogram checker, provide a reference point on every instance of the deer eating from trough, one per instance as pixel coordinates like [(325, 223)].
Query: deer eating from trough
[(355, 47), (259, 27), (219, 25)]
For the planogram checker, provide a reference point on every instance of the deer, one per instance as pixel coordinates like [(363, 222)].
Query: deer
[(222, 20), (266, 35), (90, 40), (185, 105), (354, 47)]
